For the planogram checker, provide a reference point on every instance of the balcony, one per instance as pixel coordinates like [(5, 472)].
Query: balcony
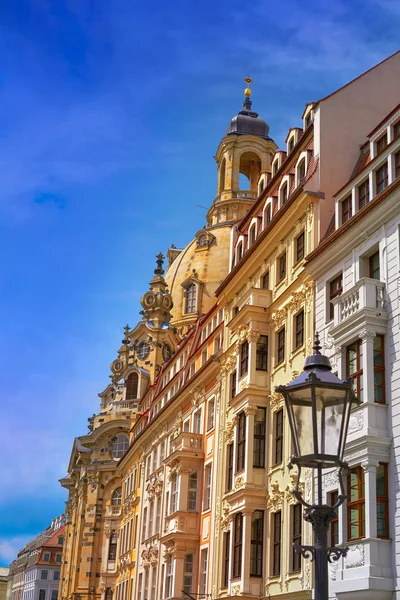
[(180, 524), (361, 306), (188, 445)]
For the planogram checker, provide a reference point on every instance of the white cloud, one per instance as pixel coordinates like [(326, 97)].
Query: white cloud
[(10, 546)]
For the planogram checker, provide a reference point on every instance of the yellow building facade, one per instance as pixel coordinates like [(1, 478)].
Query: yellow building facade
[(181, 487)]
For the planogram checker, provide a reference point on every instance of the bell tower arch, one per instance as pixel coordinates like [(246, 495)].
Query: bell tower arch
[(243, 154)]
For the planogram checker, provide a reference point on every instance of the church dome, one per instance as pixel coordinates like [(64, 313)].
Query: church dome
[(248, 122)]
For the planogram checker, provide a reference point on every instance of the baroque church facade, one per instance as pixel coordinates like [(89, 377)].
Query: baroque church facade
[(181, 489)]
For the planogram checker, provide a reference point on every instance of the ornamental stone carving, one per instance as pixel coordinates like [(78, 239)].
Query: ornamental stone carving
[(355, 557), (229, 363), (226, 519), (198, 395), (278, 318), (229, 431), (242, 332), (169, 549), (356, 422), (252, 335), (235, 590), (239, 482), (275, 498), (275, 401), (330, 480)]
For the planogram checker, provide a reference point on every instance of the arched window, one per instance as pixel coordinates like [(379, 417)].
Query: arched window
[(222, 176), (267, 216), (117, 497), (119, 445), (285, 193), (190, 298), (252, 235), (132, 386), (240, 251), (249, 171), (202, 240), (301, 171)]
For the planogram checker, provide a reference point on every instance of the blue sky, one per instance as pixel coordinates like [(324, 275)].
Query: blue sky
[(110, 114)]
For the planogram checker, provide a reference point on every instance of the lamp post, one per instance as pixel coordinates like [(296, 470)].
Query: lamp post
[(318, 405)]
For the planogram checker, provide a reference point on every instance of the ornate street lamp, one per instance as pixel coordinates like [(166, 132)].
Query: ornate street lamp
[(318, 405)]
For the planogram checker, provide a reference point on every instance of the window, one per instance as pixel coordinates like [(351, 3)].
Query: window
[(151, 517), (233, 384), (285, 193), (278, 437), (280, 356), (144, 524), (290, 145), (265, 281), (296, 536), (252, 235), (112, 550), (334, 528), (56, 575), (396, 130), (203, 571), (190, 299), (148, 467), (373, 266), (109, 594), (44, 574), (204, 357), (237, 545), (140, 585), (202, 241), (335, 289), (197, 422), (256, 549), (381, 143), (346, 209), (210, 414), (300, 247), (309, 119), (282, 267), (42, 594), (207, 486), (60, 541), (188, 573), (169, 577), (262, 353), (239, 251), (119, 445), (174, 493), (241, 442), (381, 178), (301, 172), (227, 544), (276, 543), (397, 165), (354, 367), (299, 330), (382, 501), (192, 490), (54, 594), (132, 386), (268, 215), (117, 497), (261, 187), (229, 467), (379, 369), (46, 556), (244, 358), (259, 439), (356, 504), (363, 194), (58, 558), (275, 168)]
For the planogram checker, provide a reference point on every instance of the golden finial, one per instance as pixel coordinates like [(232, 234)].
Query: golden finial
[(247, 91)]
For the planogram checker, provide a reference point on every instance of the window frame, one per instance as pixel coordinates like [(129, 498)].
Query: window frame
[(334, 292), (237, 546), (334, 524), (380, 369), (346, 209), (278, 436), (300, 248), (257, 544), (280, 345), (297, 518), (210, 414), (276, 543), (281, 270), (190, 296), (244, 359), (265, 281), (262, 353), (382, 177), (358, 504), (299, 330), (397, 165), (226, 561), (358, 374), (383, 500), (232, 392), (241, 442), (229, 467), (363, 193), (207, 487), (259, 439)]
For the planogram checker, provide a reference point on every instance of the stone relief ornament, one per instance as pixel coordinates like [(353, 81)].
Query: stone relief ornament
[(169, 549), (330, 480), (306, 576), (275, 498), (276, 401), (235, 590), (226, 519), (242, 332), (252, 335), (229, 431), (355, 557), (278, 318), (239, 482), (356, 422), (198, 394)]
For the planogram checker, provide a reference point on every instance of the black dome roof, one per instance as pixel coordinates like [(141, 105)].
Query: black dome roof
[(248, 122)]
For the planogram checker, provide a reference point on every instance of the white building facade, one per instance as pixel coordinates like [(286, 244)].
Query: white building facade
[(357, 274)]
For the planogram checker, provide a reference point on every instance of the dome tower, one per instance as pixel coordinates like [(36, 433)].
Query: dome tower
[(195, 272)]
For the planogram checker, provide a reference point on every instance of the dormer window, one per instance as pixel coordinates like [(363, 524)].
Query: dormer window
[(240, 251), (202, 241), (268, 215), (119, 445), (346, 209), (261, 186), (132, 386), (308, 119), (291, 145), (116, 499), (284, 193), (190, 298), (381, 143), (275, 167), (301, 172), (252, 236)]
